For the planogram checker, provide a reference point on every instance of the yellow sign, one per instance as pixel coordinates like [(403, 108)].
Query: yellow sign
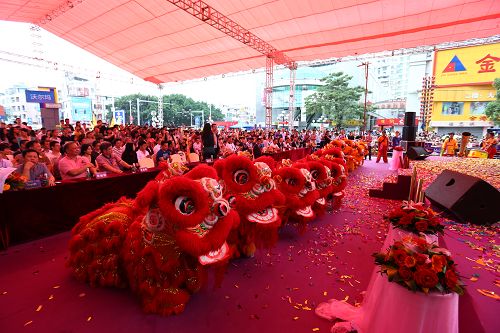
[(469, 65)]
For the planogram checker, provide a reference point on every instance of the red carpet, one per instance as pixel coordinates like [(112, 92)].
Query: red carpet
[(273, 292)]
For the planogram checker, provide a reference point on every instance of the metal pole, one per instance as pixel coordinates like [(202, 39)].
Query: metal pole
[(138, 114), (130, 112), (366, 95)]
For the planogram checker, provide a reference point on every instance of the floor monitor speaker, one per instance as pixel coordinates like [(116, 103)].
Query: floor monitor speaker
[(469, 198), (416, 153)]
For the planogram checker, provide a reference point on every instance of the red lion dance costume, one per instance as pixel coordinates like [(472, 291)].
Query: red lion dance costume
[(159, 243), (297, 185), (252, 190)]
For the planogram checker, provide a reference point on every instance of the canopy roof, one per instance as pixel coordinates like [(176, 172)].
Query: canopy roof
[(160, 42)]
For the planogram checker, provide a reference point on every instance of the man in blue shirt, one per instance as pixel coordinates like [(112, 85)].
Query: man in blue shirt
[(33, 170), (164, 153)]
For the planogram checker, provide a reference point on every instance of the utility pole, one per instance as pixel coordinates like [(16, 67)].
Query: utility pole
[(365, 64), (130, 111), (138, 114)]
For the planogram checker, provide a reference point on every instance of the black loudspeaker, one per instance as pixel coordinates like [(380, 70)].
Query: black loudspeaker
[(416, 153), (410, 118), (409, 133), (469, 198)]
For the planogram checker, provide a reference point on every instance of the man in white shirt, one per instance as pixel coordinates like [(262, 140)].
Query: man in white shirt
[(230, 145), (55, 152)]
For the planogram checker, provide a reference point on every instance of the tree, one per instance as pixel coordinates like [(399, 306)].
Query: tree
[(493, 109), (336, 100), (176, 109)]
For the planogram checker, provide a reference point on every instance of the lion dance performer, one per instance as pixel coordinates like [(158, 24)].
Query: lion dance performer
[(252, 191), (158, 244)]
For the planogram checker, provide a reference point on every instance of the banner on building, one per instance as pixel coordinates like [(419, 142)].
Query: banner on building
[(81, 109), (467, 66)]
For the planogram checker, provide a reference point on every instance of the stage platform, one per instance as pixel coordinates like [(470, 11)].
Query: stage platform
[(276, 291)]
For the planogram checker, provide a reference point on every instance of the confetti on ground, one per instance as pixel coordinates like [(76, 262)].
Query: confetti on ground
[(28, 323), (89, 318), (39, 308)]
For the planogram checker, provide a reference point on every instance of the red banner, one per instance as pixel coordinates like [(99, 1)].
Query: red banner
[(392, 122)]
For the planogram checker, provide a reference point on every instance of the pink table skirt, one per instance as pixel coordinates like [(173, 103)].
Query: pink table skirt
[(390, 308), (294, 154), (396, 160)]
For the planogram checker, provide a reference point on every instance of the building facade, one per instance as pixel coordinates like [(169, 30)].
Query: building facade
[(14, 102), (239, 113), (463, 88)]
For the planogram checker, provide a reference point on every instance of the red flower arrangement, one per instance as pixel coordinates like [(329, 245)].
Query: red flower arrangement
[(419, 266), (415, 218), (15, 181)]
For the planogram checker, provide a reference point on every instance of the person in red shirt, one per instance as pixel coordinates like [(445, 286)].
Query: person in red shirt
[(383, 144)]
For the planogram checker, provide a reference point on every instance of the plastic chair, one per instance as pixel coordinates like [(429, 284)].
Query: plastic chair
[(146, 162)]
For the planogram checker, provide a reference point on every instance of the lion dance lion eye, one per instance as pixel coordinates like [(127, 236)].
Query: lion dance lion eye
[(221, 208), (241, 177), (291, 181), (232, 201), (315, 174), (184, 205)]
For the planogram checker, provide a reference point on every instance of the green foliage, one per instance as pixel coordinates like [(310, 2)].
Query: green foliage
[(175, 109), (336, 100), (493, 109)]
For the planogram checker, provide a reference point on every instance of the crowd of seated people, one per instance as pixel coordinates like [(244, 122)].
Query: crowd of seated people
[(77, 150)]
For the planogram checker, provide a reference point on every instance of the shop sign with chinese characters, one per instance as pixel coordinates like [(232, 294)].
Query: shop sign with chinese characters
[(467, 66)]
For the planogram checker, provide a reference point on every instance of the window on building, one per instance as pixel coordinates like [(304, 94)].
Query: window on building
[(17, 99), (453, 108), (478, 107), (23, 108)]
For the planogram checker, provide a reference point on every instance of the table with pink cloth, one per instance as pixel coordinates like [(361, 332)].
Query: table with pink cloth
[(389, 307), (397, 156)]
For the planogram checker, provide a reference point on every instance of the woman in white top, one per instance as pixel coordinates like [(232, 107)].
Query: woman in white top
[(142, 152)]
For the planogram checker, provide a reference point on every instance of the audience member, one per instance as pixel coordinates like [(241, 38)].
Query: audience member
[(72, 165), (32, 169), (107, 161)]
